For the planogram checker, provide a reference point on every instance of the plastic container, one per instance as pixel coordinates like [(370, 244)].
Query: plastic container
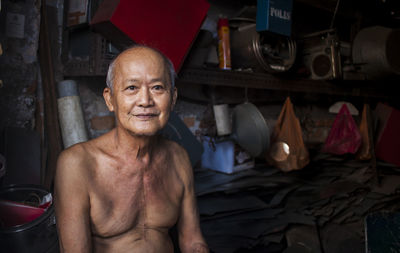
[(225, 156), (36, 236)]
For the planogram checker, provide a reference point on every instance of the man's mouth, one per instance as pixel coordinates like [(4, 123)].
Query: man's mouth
[(145, 116)]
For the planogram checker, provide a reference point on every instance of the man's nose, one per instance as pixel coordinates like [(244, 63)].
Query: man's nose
[(145, 97)]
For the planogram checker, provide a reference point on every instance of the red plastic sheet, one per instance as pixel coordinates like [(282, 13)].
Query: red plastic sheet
[(387, 144), (168, 25), (344, 136)]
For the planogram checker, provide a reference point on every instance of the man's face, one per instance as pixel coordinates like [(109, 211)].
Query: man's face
[(141, 97)]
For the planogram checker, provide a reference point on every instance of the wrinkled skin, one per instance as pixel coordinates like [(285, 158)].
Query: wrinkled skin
[(123, 191)]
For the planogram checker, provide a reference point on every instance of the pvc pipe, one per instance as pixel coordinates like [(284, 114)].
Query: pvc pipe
[(71, 118)]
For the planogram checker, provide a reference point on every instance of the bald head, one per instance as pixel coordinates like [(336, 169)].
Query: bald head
[(168, 66)]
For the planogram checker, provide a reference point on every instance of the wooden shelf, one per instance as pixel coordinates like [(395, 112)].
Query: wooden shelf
[(216, 77)]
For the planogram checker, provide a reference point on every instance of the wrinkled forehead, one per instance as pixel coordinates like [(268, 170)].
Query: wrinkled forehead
[(141, 53), (136, 59)]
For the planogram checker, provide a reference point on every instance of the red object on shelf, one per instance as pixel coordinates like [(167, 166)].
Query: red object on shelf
[(168, 25), (14, 213), (388, 140)]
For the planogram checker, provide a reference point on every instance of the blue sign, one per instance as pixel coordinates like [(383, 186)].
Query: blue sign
[(275, 16)]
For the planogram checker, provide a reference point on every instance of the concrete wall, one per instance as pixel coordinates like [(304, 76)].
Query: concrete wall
[(19, 36)]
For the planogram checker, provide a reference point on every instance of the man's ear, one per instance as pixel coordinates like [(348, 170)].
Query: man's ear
[(107, 94), (174, 97)]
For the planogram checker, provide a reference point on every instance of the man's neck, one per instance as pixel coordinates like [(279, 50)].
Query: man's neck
[(134, 146)]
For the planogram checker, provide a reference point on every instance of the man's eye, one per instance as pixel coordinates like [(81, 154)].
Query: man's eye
[(158, 87), (131, 87)]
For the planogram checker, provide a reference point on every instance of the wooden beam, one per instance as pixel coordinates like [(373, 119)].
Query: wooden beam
[(54, 140)]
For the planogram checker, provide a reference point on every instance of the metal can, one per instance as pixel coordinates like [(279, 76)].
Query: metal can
[(224, 50)]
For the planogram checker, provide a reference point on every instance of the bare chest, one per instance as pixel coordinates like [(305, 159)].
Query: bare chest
[(122, 202)]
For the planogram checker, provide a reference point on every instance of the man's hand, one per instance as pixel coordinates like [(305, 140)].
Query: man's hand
[(199, 248)]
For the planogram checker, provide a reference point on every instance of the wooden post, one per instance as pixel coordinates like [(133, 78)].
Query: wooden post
[(54, 140)]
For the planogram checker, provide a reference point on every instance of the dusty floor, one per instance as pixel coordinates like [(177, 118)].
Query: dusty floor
[(321, 208)]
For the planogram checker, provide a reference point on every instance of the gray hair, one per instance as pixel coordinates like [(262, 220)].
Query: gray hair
[(167, 63)]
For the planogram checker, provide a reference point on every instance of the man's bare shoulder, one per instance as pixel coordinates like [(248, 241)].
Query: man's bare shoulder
[(71, 160), (90, 147), (180, 159), (172, 145), (176, 151), (75, 152), (82, 156)]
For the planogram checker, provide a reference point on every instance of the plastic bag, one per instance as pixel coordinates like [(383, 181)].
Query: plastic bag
[(387, 133), (344, 136), (287, 150), (366, 149)]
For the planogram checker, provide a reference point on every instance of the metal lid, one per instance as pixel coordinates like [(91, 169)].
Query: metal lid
[(250, 130)]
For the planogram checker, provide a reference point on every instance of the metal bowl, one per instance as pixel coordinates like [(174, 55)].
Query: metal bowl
[(249, 129)]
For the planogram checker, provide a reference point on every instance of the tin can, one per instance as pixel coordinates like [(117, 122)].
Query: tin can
[(224, 49)]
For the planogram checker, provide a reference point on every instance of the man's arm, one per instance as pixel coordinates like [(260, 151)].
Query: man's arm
[(190, 236), (72, 202)]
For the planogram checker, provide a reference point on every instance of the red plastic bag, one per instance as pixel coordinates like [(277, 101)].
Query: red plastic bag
[(287, 150), (344, 136)]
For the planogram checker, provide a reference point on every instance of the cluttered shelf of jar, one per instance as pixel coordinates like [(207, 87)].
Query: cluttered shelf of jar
[(241, 79)]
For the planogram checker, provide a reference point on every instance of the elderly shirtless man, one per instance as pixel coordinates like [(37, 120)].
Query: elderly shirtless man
[(124, 190)]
